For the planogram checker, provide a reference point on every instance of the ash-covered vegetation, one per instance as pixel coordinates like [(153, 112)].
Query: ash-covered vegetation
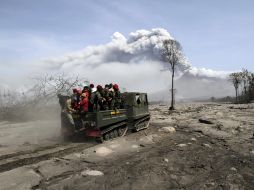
[(244, 86), (243, 83), (38, 102)]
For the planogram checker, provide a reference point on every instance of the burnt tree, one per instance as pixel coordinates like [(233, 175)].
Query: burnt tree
[(172, 54), (235, 78)]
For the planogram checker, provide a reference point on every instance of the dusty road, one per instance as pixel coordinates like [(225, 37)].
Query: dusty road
[(16, 137), (179, 151)]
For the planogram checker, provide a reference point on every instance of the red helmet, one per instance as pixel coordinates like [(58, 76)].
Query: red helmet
[(115, 86), (75, 90)]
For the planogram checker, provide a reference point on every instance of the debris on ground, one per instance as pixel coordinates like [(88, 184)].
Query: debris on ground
[(221, 157), (91, 173), (103, 151), (168, 129), (165, 159), (181, 145), (205, 120)]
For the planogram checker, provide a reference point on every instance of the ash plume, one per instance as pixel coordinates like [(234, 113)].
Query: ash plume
[(135, 63)]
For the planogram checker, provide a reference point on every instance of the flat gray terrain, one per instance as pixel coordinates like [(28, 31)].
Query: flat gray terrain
[(199, 146)]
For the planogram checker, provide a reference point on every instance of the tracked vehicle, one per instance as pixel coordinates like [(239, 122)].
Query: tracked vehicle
[(109, 124)]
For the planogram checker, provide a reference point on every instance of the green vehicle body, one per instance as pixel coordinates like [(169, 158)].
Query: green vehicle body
[(100, 122), (136, 105), (134, 114)]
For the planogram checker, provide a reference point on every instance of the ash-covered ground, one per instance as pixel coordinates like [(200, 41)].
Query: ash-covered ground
[(199, 146)]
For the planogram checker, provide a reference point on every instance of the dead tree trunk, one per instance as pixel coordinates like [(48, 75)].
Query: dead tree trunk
[(172, 107), (235, 78), (172, 54), (236, 95)]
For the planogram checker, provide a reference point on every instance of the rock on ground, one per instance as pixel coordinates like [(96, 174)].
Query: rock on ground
[(19, 179), (92, 173), (205, 120), (168, 129)]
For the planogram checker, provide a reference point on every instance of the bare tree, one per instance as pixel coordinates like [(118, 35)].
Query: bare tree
[(172, 54), (235, 78), (244, 78), (35, 101), (251, 86), (49, 86)]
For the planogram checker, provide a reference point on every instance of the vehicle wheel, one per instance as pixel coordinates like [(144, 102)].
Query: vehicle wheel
[(111, 134), (120, 131), (106, 137), (115, 133)]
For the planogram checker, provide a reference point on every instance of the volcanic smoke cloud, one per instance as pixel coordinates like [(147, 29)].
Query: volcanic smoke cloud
[(135, 63)]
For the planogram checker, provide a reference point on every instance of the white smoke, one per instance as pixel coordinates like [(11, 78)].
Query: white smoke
[(141, 45), (207, 73), (133, 62)]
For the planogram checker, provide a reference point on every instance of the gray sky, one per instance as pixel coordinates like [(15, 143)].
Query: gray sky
[(214, 34)]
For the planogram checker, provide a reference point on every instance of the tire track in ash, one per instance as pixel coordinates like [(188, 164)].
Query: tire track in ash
[(13, 161), (10, 155)]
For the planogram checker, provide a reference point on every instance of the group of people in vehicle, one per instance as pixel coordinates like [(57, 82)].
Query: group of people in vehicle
[(90, 99)]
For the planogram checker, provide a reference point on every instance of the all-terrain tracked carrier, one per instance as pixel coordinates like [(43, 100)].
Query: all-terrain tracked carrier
[(109, 124)]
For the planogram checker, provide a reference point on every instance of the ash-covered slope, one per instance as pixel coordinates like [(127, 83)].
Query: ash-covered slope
[(190, 87)]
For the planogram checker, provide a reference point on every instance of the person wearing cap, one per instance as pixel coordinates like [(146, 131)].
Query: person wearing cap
[(90, 88), (91, 85), (108, 97), (75, 105), (99, 99), (68, 111), (86, 91), (75, 98), (86, 88), (111, 95), (84, 102), (91, 97), (110, 86), (95, 98), (117, 97)]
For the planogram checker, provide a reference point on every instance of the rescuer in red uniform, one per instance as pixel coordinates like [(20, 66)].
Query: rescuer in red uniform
[(84, 102)]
